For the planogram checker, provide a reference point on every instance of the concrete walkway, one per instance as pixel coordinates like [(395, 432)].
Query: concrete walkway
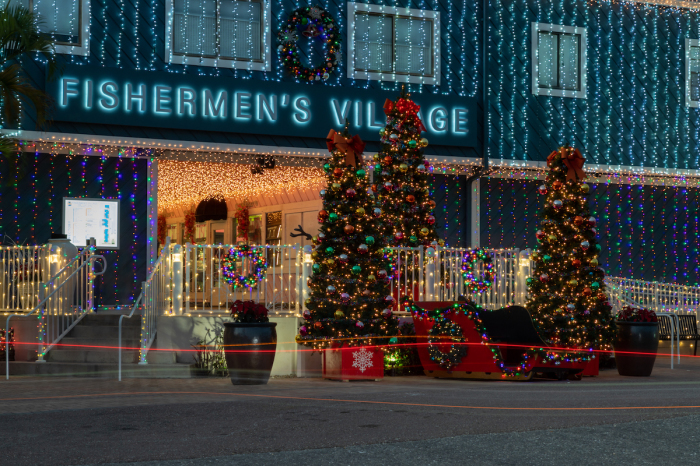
[(403, 420)]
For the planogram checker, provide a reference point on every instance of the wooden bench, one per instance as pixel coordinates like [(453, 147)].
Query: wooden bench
[(689, 330)]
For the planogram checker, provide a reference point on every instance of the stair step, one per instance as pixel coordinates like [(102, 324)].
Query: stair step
[(95, 356), (104, 332), (110, 319), (74, 369), (98, 344)]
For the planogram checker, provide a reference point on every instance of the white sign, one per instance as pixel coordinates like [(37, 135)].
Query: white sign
[(92, 218)]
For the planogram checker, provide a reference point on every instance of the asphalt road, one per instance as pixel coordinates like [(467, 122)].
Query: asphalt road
[(402, 420)]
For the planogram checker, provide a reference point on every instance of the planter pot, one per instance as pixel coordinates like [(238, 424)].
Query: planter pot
[(250, 351), (636, 337)]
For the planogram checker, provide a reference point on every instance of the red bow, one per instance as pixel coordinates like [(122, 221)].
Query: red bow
[(388, 106), (408, 107), (573, 160), (351, 147)]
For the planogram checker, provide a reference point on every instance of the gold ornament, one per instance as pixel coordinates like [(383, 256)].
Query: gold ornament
[(585, 188), (573, 282), (376, 157), (335, 186), (594, 262), (339, 314), (441, 242), (423, 142), (552, 238), (403, 167), (360, 211), (424, 231)]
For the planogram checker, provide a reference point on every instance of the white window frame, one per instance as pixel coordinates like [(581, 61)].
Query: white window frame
[(83, 49), (688, 102), (583, 62), (434, 16), (173, 59)]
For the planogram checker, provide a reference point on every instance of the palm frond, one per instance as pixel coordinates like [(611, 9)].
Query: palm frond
[(15, 90), (19, 34)]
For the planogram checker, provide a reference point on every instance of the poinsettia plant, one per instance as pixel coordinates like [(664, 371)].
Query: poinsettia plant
[(631, 314), (249, 312)]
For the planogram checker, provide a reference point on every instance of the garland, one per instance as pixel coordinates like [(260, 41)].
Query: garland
[(242, 221), (316, 23), (162, 227), (469, 261), (440, 329), (472, 312), (236, 254), (190, 218)]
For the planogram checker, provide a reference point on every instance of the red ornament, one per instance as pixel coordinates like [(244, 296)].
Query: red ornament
[(431, 220), (411, 198), (431, 203), (540, 234), (322, 215), (350, 193), (557, 184), (587, 291), (318, 325), (338, 172), (602, 296), (578, 220), (544, 278), (374, 188), (349, 229), (398, 235), (576, 263), (387, 160)]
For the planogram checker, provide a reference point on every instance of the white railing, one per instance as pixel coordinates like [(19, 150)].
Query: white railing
[(435, 274), (63, 300), (205, 290), (22, 270), (155, 299), (659, 297)]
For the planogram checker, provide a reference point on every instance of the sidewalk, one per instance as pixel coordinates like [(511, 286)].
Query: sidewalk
[(85, 421)]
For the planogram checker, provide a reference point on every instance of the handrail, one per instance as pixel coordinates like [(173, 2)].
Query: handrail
[(144, 286), (89, 258)]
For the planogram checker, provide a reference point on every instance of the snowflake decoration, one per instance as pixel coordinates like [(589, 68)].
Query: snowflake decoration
[(362, 359), (315, 12)]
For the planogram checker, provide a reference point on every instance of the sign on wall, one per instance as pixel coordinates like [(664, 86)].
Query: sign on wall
[(177, 101), (91, 218)]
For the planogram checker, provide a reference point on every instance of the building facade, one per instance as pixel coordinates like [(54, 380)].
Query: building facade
[(164, 103)]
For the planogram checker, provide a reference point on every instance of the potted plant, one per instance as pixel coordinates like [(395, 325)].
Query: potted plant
[(250, 343), (637, 341)]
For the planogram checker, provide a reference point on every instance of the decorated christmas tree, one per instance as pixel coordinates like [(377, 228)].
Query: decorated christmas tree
[(349, 299), (568, 303), (401, 177)]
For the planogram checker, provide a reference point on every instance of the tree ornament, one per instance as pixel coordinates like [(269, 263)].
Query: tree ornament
[(349, 229), (388, 185), (330, 289), (386, 313), (377, 212), (398, 236), (369, 240), (587, 291), (594, 262), (360, 211), (557, 185), (412, 144), (375, 157), (585, 245), (557, 204), (326, 167), (362, 249), (591, 221), (420, 168), (329, 250), (321, 237), (573, 282), (371, 278), (552, 238), (571, 307), (393, 137), (332, 217), (303, 330), (322, 192), (602, 296), (343, 258), (576, 263), (431, 204), (322, 215), (411, 198), (318, 325), (546, 257), (544, 278), (424, 231), (431, 220), (424, 142), (350, 193), (381, 273), (307, 314), (360, 173), (344, 297), (335, 186), (359, 324), (339, 314), (542, 189), (403, 168), (585, 188), (338, 172), (540, 235), (388, 160), (356, 269), (595, 285), (316, 268), (413, 239), (441, 242), (578, 220)]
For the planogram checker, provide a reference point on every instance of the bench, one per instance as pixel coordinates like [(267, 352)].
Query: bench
[(689, 330)]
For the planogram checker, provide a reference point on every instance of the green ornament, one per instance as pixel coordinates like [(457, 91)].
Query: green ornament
[(356, 269), (595, 285), (360, 173), (333, 217), (529, 281), (369, 240), (412, 144), (304, 20), (547, 257), (327, 167), (329, 250), (393, 340), (597, 246), (317, 268), (412, 239)]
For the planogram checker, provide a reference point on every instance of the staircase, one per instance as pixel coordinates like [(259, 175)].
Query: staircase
[(90, 349)]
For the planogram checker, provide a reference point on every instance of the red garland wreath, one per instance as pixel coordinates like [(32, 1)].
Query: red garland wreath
[(190, 219), (162, 229), (242, 220)]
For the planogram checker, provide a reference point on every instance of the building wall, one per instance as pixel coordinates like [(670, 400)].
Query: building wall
[(31, 208), (634, 113), (645, 232)]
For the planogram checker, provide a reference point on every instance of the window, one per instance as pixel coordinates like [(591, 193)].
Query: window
[(226, 33), (393, 44), (67, 21), (692, 73), (558, 60)]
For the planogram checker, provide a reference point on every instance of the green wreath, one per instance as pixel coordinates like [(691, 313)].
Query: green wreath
[(446, 328), (314, 23), (236, 254)]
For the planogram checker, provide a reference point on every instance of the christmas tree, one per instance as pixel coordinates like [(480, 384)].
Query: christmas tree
[(401, 178), (350, 300), (568, 303)]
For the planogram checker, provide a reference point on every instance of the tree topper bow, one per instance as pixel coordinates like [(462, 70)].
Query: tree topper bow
[(352, 147)]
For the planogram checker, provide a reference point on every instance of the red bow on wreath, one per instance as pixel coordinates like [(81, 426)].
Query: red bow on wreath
[(573, 160), (351, 147)]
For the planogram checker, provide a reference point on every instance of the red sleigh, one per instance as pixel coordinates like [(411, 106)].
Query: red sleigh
[(508, 348)]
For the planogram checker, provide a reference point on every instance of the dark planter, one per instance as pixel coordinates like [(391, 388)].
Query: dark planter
[(250, 351), (636, 337)]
